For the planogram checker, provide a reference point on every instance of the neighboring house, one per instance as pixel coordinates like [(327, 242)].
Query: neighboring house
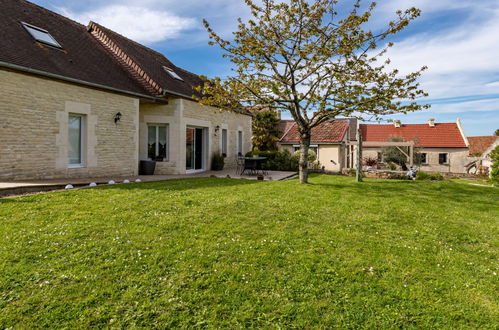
[(443, 146), (329, 141), (79, 101), (480, 148)]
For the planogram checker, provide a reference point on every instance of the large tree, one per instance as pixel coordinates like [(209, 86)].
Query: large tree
[(265, 130), (303, 57)]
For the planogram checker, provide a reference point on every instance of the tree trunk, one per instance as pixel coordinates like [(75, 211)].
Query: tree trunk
[(303, 164)]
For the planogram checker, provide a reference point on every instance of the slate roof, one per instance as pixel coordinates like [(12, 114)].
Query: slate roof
[(327, 132), (480, 144), (153, 62), (84, 56), (443, 135)]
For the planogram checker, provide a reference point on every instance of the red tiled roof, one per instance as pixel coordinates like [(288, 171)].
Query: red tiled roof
[(443, 135), (480, 144), (327, 132)]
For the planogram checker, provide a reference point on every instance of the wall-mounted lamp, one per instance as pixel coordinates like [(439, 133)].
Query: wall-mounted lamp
[(117, 117), (217, 128)]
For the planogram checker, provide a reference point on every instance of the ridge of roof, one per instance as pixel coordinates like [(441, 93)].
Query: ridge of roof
[(122, 57), (152, 62)]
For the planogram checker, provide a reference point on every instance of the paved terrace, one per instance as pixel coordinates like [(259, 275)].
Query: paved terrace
[(34, 186)]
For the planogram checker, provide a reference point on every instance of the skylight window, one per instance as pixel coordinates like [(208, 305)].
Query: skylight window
[(172, 73), (41, 35)]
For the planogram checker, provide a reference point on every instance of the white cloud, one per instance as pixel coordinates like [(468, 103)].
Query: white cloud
[(462, 60), (137, 23)]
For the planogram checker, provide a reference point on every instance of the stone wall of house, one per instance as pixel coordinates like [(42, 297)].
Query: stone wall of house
[(180, 114), (331, 157), (457, 159), (34, 129)]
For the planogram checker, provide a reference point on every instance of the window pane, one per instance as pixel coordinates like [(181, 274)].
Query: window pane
[(151, 142), (74, 134), (442, 158), (162, 141), (239, 142), (42, 36)]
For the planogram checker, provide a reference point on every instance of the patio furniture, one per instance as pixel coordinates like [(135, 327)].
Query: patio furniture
[(254, 165), (239, 163)]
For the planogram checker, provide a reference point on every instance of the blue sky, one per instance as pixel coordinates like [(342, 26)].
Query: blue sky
[(457, 39)]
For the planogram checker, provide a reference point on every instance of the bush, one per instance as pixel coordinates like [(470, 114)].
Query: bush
[(392, 166), (311, 155), (429, 176), (277, 160), (494, 169), (370, 161), (217, 162)]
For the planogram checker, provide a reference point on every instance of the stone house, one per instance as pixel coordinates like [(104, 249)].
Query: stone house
[(329, 140), (443, 147), (481, 147), (84, 101)]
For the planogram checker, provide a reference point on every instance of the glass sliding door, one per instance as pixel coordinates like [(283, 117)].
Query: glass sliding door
[(189, 148), (194, 149)]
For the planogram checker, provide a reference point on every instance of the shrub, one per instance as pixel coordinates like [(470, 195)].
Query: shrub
[(277, 160), (429, 176), (494, 169), (311, 155), (217, 162), (370, 161), (392, 166)]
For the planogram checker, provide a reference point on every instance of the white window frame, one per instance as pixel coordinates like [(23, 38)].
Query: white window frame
[(167, 132), (295, 146), (83, 139), (52, 42), (224, 147), (426, 158), (447, 160)]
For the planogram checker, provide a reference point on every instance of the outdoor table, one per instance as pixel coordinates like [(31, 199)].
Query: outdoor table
[(253, 165)]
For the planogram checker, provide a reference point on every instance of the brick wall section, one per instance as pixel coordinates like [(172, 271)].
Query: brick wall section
[(32, 112)]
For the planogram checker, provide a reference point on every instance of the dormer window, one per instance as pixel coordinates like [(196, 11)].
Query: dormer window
[(172, 73), (41, 35)]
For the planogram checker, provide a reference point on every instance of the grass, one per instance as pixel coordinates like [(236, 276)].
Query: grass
[(236, 253)]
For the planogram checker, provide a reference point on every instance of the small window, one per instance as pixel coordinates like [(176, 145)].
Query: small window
[(157, 142), (224, 142), (41, 35), (443, 159), (423, 157), (76, 125), (172, 73), (239, 142)]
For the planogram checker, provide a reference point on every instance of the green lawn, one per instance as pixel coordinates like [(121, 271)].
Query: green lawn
[(236, 253)]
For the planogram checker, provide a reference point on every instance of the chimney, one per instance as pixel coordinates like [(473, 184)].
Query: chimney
[(396, 123), (431, 122)]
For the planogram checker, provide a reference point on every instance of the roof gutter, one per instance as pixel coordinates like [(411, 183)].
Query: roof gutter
[(74, 80)]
